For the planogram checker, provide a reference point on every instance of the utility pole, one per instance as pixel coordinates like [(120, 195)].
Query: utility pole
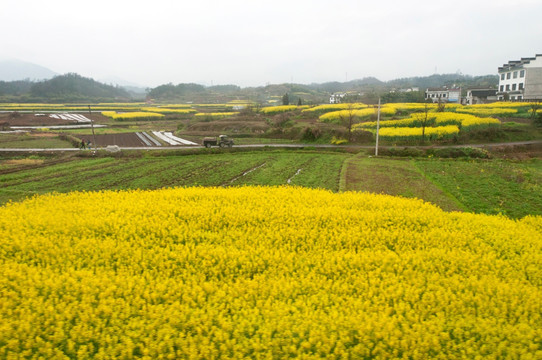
[(377, 127), (92, 127)]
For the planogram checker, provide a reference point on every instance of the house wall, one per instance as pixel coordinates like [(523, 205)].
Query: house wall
[(533, 84), (507, 85)]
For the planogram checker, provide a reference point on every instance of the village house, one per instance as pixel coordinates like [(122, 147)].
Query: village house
[(443, 95), (521, 79)]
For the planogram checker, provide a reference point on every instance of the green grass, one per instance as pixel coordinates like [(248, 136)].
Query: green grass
[(26, 141), (491, 187), (394, 177), (152, 172), (255, 140), (512, 188)]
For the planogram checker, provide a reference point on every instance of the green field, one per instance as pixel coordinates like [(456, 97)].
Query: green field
[(26, 141), (512, 188)]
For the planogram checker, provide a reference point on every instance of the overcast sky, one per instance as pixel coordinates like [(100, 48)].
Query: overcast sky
[(252, 43)]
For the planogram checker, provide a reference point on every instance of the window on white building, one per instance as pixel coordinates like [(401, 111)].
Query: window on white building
[(502, 76), (507, 76), (522, 73), (502, 88), (513, 87), (515, 74), (521, 86), (508, 87)]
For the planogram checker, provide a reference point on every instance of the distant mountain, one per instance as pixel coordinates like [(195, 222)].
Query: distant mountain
[(439, 80), (73, 87), (336, 86), (131, 87), (13, 70)]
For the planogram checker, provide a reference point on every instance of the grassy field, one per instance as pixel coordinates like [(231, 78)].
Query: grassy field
[(512, 188), (27, 141)]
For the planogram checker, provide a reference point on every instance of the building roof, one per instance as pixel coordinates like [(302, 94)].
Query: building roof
[(483, 92), (442, 89), (518, 63)]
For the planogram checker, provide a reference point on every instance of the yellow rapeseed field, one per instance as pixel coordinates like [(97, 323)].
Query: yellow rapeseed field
[(271, 110), (134, 115), (217, 115), (265, 273), (406, 133)]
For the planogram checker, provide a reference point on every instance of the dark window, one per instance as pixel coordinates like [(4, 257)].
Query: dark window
[(508, 87), (502, 88), (515, 74), (502, 76), (522, 73), (513, 87), (507, 75), (521, 86)]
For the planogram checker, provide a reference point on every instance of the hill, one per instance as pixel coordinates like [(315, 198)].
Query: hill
[(13, 70), (365, 90), (73, 87)]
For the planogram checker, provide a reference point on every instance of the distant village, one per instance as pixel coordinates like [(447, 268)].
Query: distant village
[(519, 80)]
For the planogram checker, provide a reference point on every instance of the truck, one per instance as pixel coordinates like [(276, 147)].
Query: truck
[(222, 141)]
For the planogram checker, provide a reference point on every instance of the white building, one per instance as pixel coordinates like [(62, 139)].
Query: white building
[(521, 79), (336, 98), (443, 95)]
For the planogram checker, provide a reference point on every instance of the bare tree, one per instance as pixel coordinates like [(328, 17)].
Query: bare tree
[(348, 118), (441, 105), (424, 119)]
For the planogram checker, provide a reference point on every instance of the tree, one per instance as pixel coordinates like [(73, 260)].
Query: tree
[(299, 102), (441, 105), (285, 99), (424, 119), (348, 118), (536, 118)]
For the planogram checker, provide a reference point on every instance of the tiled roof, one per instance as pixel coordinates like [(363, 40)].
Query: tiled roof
[(523, 61)]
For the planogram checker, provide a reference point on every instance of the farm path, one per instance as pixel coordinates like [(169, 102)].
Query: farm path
[(319, 146)]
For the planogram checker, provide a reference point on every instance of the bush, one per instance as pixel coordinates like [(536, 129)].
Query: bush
[(361, 136), (76, 142), (338, 141), (311, 134), (467, 152), (404, 152)]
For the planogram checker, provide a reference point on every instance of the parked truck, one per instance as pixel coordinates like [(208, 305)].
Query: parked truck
[(222, 141)]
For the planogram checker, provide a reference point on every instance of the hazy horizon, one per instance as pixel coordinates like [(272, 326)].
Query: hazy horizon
[(254, 43)]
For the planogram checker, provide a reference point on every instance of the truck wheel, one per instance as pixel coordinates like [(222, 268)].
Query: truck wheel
[(207, 145)]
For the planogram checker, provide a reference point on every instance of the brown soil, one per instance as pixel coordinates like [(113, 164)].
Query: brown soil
[(231, 125), (123, 139)]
